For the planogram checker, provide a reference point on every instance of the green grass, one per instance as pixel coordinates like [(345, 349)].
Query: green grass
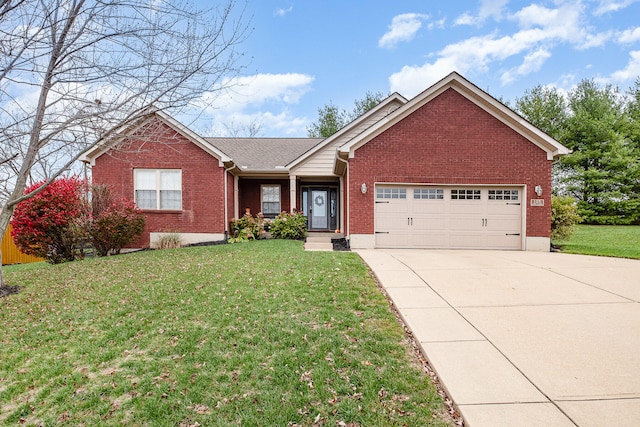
[(621, 241), (256, 334)]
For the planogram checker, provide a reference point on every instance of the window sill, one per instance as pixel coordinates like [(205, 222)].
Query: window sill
[(161, 211)]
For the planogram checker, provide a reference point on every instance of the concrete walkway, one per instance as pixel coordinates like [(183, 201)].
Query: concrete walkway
[(524, 338)]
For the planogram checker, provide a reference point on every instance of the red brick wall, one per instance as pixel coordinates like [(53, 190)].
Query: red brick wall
[(450, 140), (249, 195), (202, 180)]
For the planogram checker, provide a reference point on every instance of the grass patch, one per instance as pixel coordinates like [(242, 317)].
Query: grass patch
[(621, 241), (253, 334)]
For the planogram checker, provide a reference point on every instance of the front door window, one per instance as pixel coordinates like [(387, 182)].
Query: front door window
[(319, 217)]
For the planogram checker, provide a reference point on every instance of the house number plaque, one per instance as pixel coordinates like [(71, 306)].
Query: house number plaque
[(537, 202)]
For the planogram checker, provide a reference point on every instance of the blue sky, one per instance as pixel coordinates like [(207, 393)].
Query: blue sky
[(304, 54)]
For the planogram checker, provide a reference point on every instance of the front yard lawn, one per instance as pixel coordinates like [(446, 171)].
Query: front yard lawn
[(621, 241), (256, 334)]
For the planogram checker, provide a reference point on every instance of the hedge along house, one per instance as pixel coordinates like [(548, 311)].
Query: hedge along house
[(451, 168)]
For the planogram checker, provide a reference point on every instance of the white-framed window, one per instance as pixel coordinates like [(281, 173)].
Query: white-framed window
[(158, 189), (504, 195), (391, 193), (428, 193), (460, 194), (270, 199)]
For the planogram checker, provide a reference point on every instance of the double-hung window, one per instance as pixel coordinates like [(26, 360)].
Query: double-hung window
[(158, 189), (270, 199)]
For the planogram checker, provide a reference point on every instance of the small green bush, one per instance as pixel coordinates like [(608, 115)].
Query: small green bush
[(289, 226), (247, 228), (564, 217)]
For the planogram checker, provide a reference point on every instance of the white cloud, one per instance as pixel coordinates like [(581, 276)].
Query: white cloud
[(488, 9), (606, 6), (563, 23), (541, 29), (595, 40), (465, 19), (283, 11), (629, 36), (243, 101), (240, 93), (630, 72), (403, 28), (439, 24), (492, 8), (532, 63), (411, 80), (266, 122)]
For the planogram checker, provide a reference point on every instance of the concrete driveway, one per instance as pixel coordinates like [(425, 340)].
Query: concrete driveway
[(524, 338)]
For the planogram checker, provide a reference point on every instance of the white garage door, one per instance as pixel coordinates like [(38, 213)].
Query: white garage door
[(448, 217)]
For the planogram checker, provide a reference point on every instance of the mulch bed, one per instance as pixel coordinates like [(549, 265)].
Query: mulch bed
[(8, 290)]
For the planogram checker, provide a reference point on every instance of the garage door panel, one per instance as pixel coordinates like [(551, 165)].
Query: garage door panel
[(429, 222), (466, 240), (466, 208), (390, 224), (448, 217), (508, 225), (429, 239), (464, 223), (428, 207), (503, 209), (392, 239), (502, 241), (393, 206)]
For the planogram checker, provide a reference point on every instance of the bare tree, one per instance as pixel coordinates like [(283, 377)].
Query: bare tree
[(73, 72), (243, 130)]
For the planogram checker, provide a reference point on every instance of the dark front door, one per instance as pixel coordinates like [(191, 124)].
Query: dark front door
[(321, 207)]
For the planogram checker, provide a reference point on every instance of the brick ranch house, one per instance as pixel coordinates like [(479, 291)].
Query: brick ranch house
[(451, 168)]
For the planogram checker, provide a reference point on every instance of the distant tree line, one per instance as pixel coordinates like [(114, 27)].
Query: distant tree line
[(601, 124)]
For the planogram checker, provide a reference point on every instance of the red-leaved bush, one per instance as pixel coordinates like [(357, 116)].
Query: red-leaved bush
[(114, 227), (49, 223), (57, 222)]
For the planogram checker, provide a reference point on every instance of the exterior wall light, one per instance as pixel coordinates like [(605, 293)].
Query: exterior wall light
[(363, 188), (538, 190)]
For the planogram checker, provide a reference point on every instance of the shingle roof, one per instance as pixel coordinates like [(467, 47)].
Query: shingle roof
[(263, 154)]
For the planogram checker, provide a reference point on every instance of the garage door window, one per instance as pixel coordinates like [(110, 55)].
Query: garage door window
[(457, 194), (391, 193), (503, 194), (428, 193)]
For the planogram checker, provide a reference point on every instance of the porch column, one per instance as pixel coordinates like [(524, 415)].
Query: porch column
[(293, 194), (236, 199)]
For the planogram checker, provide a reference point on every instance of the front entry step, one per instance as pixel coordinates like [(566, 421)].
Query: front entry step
[(318, 243)]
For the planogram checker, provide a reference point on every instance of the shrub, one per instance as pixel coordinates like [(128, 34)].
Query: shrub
[(564, 217), (51, 223), (289, 226), (247, 228), (114, 223)]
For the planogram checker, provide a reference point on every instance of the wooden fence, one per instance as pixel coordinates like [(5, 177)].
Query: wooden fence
[(11, 254)]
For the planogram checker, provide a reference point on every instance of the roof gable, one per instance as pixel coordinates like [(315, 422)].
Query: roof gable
[(391, 103), (105, 145), (471, 92)]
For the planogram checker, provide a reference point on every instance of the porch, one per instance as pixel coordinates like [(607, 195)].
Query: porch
[(319, 201)]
